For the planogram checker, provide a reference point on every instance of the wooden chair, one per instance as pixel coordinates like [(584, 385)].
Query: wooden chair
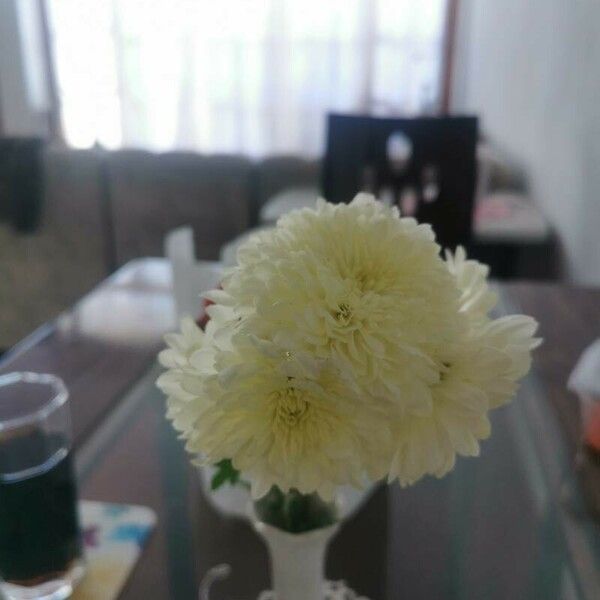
[(426, 166)]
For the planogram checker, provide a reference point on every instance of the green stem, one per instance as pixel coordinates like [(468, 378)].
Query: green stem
[(295, 512)]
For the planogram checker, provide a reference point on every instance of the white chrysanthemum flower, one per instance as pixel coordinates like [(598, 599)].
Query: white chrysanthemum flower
[(478, 373), (283, 419), (476, 298), (344, 347), (354, 283), (182, 345), (179, 383), (514, 336)]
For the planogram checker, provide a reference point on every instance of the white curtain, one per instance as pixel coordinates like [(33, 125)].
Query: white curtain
[(246, 76)]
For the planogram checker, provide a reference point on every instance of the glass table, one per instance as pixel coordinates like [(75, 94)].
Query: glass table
[(509, 524)]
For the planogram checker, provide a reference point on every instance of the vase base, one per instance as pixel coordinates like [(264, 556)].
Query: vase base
[(332, 590)]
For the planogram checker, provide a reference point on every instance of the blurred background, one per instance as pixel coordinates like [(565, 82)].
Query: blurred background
[(124, 119)]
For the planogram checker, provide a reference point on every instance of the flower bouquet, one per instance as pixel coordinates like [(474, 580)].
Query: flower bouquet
[(341, 350)]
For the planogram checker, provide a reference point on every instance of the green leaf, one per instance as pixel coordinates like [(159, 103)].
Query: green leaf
[(225, 473)]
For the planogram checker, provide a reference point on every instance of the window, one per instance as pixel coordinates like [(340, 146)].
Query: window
[(244, 76)]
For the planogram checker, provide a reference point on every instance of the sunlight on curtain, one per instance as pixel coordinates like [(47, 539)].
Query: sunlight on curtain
[(245, 76)]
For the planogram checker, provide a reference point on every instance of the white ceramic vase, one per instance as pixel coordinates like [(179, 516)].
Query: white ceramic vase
[(297, 561)]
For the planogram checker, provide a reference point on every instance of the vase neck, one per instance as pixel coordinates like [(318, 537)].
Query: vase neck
[(297, 561)]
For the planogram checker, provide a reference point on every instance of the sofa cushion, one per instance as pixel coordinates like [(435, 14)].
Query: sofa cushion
[(154, 193), (46, 271)]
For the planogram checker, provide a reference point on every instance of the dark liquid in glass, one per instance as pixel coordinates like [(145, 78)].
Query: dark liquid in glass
[(39, 531)]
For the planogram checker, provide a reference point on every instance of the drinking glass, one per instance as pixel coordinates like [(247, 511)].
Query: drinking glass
[(40, 544)]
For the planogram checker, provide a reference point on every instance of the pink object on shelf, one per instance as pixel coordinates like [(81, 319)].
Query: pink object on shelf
[(503, 216)]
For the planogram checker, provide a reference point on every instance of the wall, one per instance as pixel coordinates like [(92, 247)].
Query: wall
[(23, 90), (531, 69)]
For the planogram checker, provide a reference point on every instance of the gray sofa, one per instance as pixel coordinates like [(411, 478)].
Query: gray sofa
[(101, 210)]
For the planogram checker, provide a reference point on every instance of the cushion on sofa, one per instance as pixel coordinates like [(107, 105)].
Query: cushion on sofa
[(46, 271), (152, 194)]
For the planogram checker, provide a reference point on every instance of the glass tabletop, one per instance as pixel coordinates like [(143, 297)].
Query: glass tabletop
[(509, 524)]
